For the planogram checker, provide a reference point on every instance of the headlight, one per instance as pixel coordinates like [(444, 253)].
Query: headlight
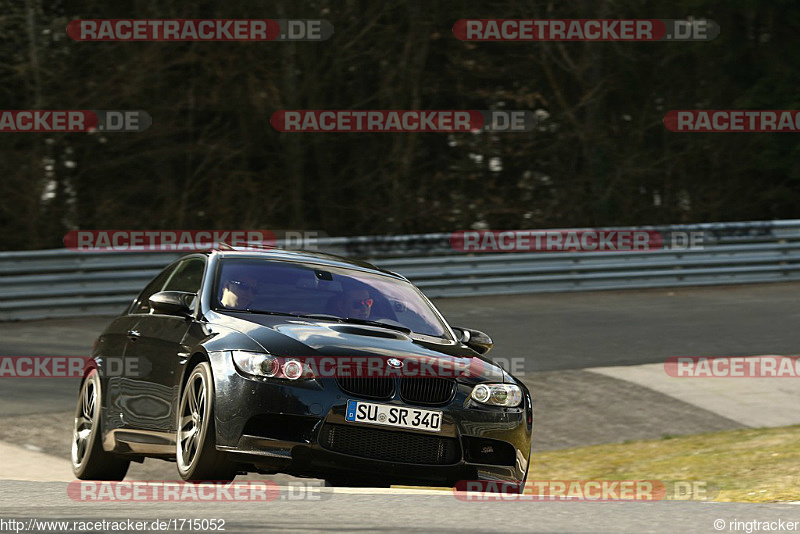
[(267, 365), (507, 395), (256, 363), (292, 369)]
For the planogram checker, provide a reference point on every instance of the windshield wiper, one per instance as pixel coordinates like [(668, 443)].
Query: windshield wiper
[(267, 312), (322, 316)]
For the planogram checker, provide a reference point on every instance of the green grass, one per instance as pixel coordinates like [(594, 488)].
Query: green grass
[(752, 465)]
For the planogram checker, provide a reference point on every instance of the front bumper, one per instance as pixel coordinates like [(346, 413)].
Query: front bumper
[(282, 426)]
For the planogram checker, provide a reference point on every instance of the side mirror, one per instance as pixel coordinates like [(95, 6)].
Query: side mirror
[(172, 302), (475, 339)]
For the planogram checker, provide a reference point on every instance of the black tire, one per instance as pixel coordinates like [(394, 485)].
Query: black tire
[(525, 480), (197, 456), (89, 460), (522, 484)]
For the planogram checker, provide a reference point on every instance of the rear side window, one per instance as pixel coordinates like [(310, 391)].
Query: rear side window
[(142, 304)]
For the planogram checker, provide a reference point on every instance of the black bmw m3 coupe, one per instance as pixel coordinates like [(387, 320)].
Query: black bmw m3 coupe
[(234, 364)]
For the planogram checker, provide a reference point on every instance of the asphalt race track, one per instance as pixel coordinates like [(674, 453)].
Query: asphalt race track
[(557, 338), (429, 512)]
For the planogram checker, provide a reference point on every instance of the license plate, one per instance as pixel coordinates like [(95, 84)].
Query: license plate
[(397, 416)]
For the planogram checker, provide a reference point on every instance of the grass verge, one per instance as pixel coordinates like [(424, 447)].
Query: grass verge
[(751, 465)]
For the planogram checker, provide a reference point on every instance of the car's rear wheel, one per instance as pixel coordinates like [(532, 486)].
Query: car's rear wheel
[(196, 453), (89, 460)]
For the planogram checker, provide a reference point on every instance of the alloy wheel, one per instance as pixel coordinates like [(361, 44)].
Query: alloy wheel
[(85, 419), (192, 420)]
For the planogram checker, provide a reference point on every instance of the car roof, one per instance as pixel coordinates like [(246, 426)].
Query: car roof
[(304, 256)]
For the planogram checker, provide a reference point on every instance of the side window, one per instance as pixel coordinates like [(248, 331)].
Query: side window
[(142, 304), (187, 277)]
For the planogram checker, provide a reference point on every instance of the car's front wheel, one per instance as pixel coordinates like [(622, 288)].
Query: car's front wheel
[(89, 460), (196, 455)]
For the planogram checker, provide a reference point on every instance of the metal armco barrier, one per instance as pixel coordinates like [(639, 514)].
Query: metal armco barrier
[(60, 283)]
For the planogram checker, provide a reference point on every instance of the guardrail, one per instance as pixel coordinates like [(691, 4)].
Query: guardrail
[(58, 283)]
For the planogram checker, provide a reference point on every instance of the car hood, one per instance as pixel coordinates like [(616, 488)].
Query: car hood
[(289, 336)]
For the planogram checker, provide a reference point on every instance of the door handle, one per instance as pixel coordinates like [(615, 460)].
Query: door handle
[(133, 335)]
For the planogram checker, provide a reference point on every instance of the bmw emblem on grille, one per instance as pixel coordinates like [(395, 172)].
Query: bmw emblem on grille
[(394, 362)]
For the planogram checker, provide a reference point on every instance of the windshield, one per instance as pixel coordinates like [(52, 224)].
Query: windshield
[(299, 289)]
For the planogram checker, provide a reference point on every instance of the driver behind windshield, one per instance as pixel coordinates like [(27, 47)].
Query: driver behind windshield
[(238, 291), (355, 303)]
